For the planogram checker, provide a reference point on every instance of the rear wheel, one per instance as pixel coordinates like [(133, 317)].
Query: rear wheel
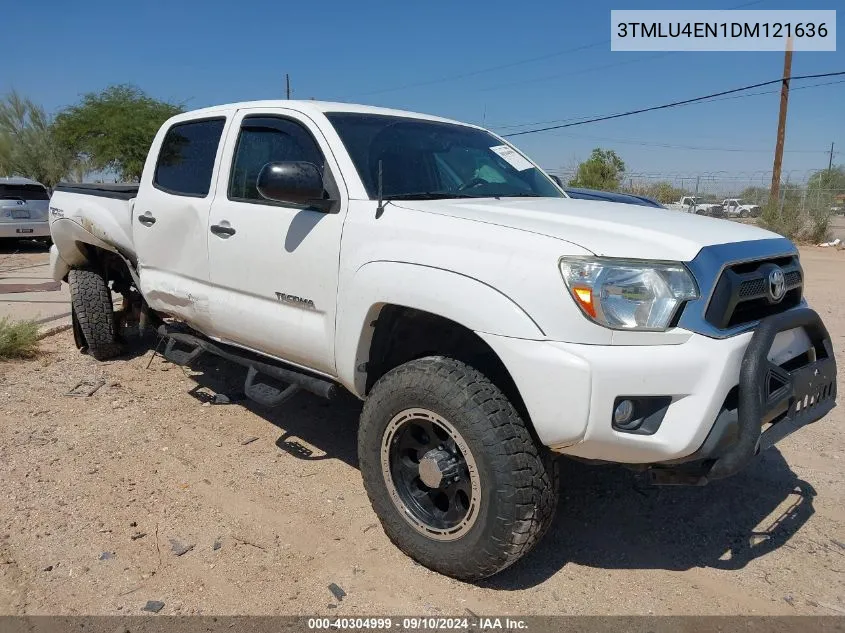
[(452, 471), (93, 312)]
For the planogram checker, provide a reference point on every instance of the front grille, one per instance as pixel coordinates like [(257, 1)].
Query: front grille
[(752, 288), (741, 294)]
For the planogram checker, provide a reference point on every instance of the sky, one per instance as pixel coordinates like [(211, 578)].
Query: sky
[(495, 63)]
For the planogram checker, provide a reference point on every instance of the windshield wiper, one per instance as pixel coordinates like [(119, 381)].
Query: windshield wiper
[(518, 195), (428, 195)]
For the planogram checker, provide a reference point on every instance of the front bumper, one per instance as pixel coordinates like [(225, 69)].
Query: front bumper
[(784, 397), (25, 229), (569, 391)]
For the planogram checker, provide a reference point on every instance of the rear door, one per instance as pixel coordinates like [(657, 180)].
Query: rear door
[(170, 219), (274, 265)]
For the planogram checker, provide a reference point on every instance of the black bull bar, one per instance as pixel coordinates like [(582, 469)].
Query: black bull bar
[(787, 396)]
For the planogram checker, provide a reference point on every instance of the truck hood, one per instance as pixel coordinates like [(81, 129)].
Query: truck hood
[(604, 228)]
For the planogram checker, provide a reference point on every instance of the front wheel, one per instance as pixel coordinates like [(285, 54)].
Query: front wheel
[(452, 471)]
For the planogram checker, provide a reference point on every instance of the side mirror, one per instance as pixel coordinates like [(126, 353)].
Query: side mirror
[(296, 182), (557, 180)]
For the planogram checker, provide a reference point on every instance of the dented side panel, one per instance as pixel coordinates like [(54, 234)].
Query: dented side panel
[(174, 295)]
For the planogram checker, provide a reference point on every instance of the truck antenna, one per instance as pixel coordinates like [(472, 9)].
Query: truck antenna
[(380, 207)]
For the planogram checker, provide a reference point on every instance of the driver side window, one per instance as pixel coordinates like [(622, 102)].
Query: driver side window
[(265, 140)]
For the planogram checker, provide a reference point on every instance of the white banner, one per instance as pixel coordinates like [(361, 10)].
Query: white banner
[(729, 30)]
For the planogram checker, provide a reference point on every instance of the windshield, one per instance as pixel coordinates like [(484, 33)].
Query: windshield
[(429, 160)]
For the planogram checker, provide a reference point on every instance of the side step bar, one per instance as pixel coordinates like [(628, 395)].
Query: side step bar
[(261, 392)]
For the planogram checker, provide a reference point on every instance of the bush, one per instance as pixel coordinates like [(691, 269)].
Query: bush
[(18, 339), (811, 224)]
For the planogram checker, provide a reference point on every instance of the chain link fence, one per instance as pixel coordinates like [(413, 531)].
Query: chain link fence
[(804, 189)]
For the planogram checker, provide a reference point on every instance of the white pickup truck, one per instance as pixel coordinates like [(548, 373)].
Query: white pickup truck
[(736, 208), (487, 321), (693, 204)]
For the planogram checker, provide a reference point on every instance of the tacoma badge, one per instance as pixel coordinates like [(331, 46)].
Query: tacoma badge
[(294, 300)]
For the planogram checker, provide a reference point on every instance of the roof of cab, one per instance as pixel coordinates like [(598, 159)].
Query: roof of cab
[(310, 107)]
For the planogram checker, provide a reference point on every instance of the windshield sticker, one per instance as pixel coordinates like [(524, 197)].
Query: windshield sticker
[(512, 157)]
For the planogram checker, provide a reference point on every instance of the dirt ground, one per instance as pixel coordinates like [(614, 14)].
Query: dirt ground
[(101, 493)]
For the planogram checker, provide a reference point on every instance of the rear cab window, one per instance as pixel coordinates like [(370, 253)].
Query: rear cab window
[(186, 158)]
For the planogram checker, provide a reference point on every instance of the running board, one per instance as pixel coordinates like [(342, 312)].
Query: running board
[(260, 391)]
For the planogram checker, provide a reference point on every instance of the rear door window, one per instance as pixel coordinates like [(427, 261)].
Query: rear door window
[(187, 155)]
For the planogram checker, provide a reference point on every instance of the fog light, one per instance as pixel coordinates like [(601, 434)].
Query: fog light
[(623, 412)]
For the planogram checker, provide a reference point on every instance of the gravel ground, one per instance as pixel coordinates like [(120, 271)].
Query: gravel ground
[(146, 491)]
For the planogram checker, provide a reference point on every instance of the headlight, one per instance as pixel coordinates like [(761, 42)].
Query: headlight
[(628, 294)]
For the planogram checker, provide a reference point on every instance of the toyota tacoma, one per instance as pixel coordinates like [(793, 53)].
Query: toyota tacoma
[(488, 322)]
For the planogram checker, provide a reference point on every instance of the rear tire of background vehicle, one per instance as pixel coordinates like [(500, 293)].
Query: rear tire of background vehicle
[(491, 491), (743, 213), (91, 300)]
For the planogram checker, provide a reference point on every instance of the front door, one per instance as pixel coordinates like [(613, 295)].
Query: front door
[(274, 267)]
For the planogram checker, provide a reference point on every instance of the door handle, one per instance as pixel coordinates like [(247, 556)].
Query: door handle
[(147, 219), (222, 230)]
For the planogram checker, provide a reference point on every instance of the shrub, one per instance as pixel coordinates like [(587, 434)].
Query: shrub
[(812, 224), (18, 339)]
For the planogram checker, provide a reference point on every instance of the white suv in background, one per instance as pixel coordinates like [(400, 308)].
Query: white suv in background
[(24, 206)]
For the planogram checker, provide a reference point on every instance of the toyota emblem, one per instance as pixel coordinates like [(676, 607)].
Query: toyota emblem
[(777, 285)]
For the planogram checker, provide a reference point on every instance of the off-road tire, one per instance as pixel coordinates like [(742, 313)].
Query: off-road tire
[(519, 478), (92, 306)]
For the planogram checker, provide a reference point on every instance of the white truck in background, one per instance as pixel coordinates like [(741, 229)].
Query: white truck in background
[(736, 208), (693, 204), (488, 322)]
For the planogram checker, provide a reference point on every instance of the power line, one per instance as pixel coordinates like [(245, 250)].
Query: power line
[(572, 73), (482, 71), (737, 96), (674, 104), (689, 147), (528, 60), (772, 92)]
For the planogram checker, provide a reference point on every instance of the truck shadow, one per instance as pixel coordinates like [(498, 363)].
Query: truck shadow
[(312, 428), (607, 518)]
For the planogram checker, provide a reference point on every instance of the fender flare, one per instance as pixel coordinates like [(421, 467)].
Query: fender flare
[(65, 253), (466, 300)]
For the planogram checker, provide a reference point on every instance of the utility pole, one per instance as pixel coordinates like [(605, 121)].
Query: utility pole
[(830, 161), (287, 83), (784, 102)]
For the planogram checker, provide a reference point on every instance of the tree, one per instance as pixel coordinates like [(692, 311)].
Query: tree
[(828, 180), (754, 195), (28, 145), (113, 129), (603, 170), (825, 187), (664, 192)]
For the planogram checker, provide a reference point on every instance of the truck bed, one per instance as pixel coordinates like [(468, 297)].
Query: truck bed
[(121, 191)]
